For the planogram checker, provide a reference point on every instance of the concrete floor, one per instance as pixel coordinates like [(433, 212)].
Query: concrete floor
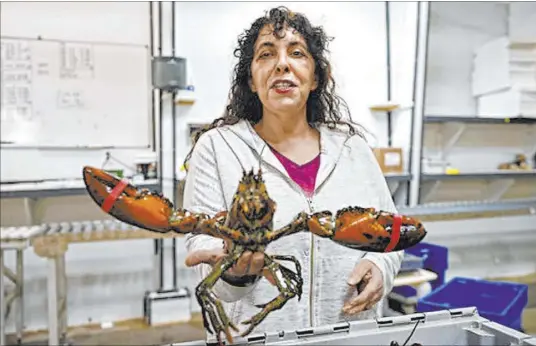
[(132, 332)]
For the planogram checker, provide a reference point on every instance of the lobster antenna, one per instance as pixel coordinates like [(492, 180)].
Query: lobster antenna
[(235, 154), (260, 157)]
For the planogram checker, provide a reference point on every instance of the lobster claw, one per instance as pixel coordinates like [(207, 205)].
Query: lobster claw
[(127, 203)]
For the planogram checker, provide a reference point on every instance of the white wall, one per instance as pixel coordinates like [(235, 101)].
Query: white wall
[(107, 280)]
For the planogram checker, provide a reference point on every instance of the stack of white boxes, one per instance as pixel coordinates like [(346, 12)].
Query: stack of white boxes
[(504, 69)]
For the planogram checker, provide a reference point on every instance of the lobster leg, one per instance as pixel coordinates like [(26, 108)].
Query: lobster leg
[(289, 285), (299, 224), (181, 222), (210, 304), (290, 259)]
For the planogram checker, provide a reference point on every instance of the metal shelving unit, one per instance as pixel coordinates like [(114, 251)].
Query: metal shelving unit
[(480, 175), (493, 183), (469, 207), (53, 189), (437, 119), (398, 177)]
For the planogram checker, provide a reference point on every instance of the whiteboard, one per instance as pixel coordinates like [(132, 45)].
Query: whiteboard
[(74, 94)]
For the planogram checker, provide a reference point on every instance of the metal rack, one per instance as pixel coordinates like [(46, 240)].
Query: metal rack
[(480, 175), (51, 242), (398, 177), (446, 208), (454, 128), (57, 189), (435, 119)]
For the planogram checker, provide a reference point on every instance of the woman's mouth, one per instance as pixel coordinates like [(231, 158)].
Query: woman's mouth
[(283, 87)]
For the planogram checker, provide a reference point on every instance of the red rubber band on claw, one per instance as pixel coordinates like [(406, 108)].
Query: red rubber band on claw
[(114, 194), (395, 233)]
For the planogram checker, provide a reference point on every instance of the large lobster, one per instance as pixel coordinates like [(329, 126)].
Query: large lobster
[(248, 226)]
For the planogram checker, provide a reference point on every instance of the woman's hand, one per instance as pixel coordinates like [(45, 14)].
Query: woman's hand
[(369, 279), (249, 264)]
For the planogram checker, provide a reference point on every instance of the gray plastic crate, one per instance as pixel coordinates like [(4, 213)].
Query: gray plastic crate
[(447, 327)]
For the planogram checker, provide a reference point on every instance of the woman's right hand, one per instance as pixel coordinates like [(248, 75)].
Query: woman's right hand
[(250, 263)]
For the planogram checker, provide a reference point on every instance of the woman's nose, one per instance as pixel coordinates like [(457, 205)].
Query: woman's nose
[(282, 63)]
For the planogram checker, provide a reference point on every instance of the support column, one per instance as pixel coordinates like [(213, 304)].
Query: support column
[(2, 301), (53, 249)]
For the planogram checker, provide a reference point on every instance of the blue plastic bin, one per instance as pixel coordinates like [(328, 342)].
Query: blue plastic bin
[(435, 258), (500, 302)]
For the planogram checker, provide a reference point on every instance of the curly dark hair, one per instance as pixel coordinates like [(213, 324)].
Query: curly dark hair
[(324, 106)]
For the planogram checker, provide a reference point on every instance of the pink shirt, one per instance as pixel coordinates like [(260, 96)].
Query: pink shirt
[(304, 175)]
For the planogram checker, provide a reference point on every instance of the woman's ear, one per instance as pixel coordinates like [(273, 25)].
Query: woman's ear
[(315, 84)]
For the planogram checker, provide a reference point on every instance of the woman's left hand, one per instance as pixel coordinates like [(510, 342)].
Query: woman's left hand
[(368, 279)]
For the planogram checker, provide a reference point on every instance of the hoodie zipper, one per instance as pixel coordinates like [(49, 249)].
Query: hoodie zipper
[(312, 267)]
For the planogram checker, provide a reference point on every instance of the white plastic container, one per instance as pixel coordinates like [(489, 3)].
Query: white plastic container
[(501, 64), (447, 327), (508, 103)]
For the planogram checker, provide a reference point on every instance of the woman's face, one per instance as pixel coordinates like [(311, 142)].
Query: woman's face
[(282, 71)]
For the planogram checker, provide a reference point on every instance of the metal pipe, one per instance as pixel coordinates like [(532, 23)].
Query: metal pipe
[(174, 139), (159, 243), (425, 77), (419, 105), (160, 150), (151, 48), (388, 40), (412, 131)]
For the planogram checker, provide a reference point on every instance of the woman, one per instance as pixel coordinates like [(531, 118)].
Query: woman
[(284, 115)]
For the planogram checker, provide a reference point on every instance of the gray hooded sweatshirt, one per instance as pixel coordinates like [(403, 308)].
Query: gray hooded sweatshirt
[(349, 175)]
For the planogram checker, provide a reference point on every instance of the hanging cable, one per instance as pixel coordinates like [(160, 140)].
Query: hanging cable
[(394, 343)]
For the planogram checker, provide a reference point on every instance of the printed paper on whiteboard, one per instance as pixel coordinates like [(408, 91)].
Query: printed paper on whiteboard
[(70, 99), (16, 86), (76, 61), (392, 159)]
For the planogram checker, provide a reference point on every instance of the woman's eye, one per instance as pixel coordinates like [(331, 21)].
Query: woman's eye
[(298, 53)]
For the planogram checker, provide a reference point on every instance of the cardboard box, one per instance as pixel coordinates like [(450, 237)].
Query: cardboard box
[(390, 159)]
